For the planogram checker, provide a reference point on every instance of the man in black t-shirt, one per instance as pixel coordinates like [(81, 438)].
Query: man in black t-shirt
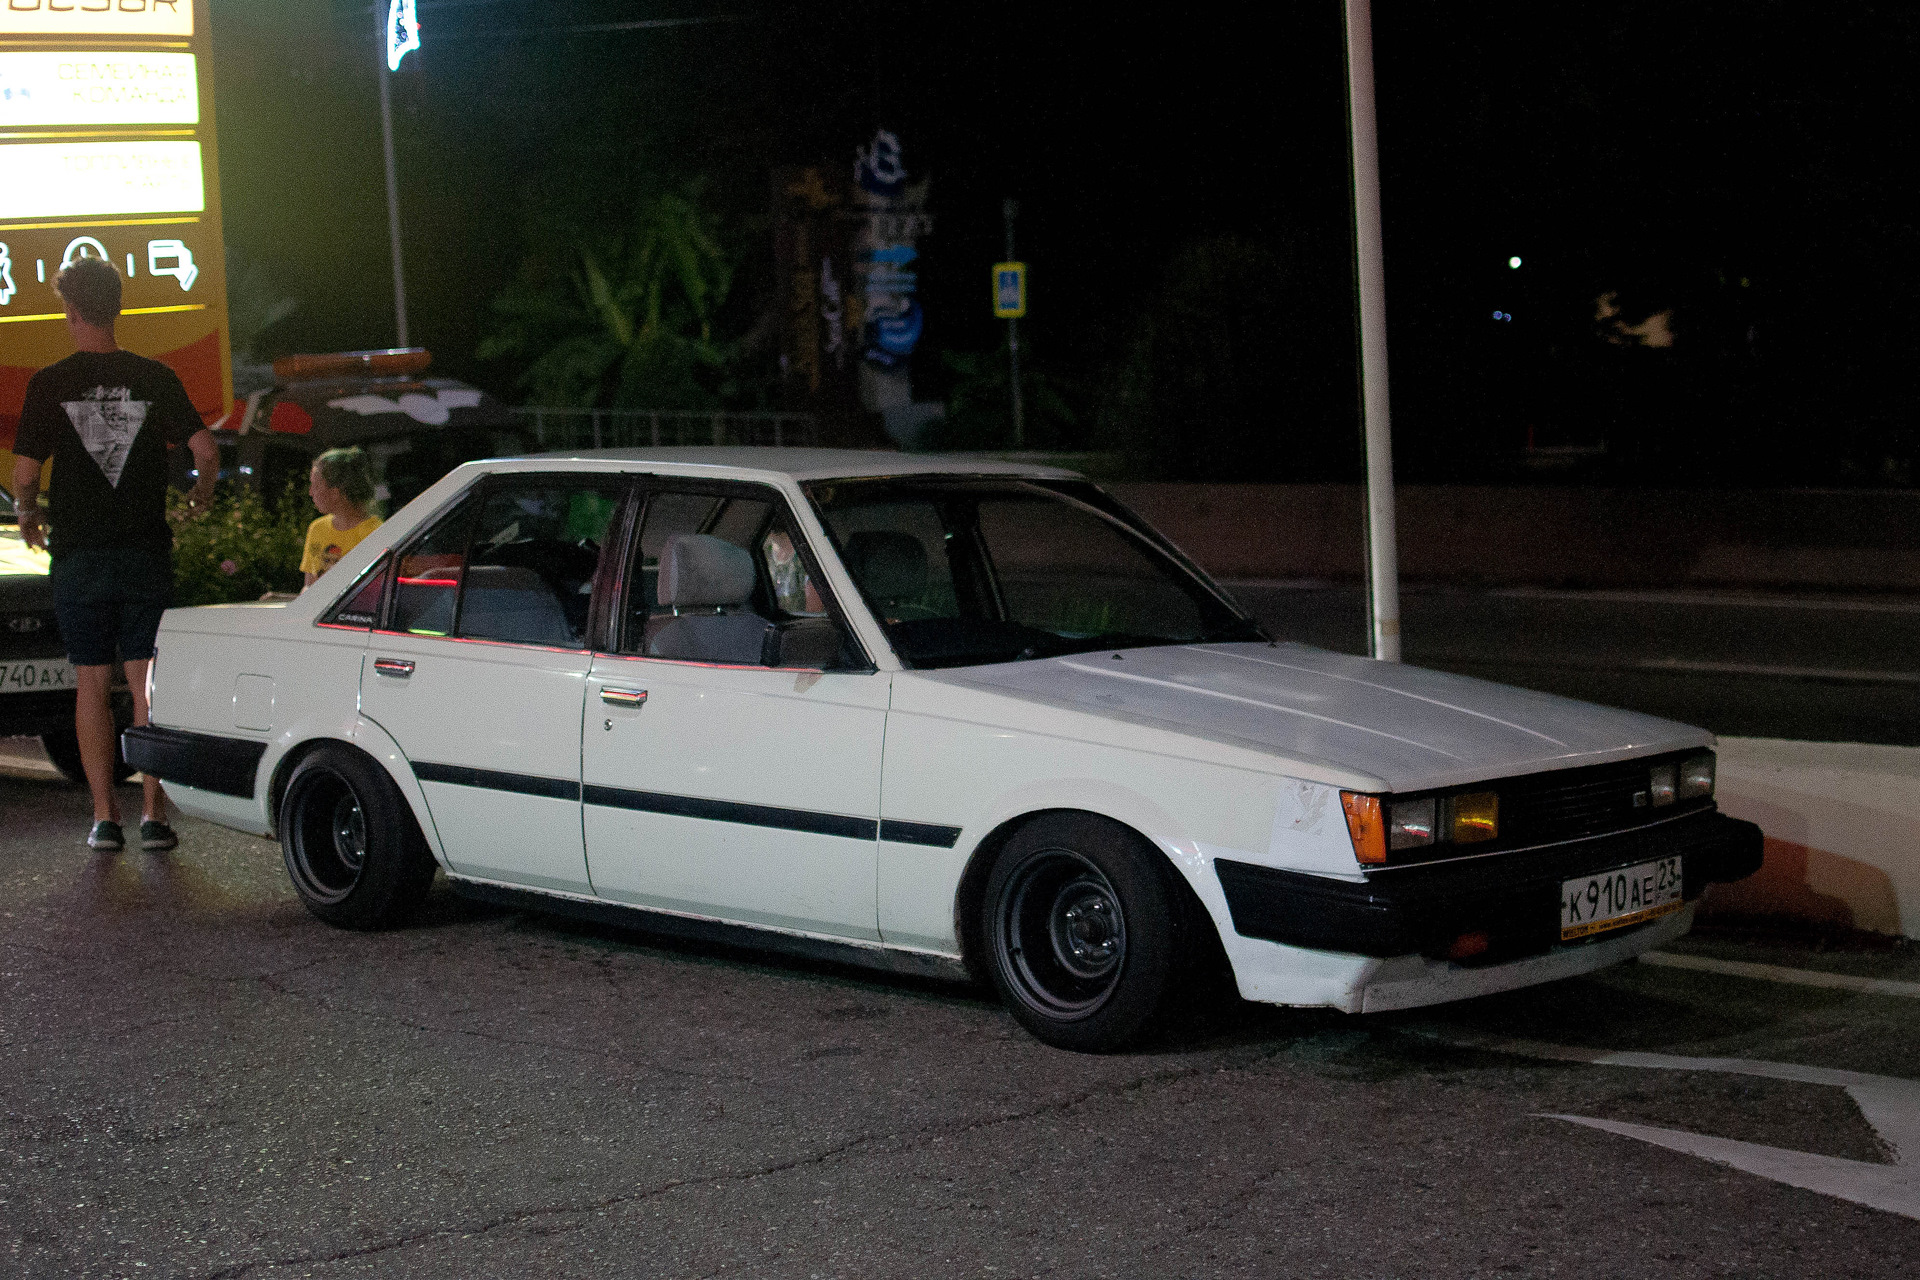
[(107, 418)]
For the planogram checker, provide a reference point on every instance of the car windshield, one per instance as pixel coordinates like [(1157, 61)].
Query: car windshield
[(970, 571)]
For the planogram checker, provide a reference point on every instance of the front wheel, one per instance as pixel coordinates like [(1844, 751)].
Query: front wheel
[(1083, 931), (353, 849)]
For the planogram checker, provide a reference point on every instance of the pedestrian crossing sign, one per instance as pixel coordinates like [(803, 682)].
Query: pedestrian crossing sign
[(1009, 290)]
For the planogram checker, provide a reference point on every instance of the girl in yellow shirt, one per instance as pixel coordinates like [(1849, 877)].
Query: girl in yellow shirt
[(341, 486)]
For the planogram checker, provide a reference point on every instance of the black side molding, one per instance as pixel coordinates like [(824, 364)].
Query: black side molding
[(751, 815), (204, 761), (525, 784), (926, 833)]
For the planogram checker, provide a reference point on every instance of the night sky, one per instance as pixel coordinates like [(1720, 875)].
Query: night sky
[(1183, 185)]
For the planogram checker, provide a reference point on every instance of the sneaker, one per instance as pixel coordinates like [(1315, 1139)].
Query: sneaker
[(106, 836), (156, 836)]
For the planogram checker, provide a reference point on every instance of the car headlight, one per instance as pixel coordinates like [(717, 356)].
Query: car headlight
[(1473, 817), (1410, 823), (1662, 784), (1696, 776)]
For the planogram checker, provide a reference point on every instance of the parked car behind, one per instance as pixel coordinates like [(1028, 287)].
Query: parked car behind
[(36, 681), (415, 428), (941, 716)]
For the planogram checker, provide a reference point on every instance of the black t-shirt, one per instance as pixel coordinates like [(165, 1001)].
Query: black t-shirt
[(107, 420)]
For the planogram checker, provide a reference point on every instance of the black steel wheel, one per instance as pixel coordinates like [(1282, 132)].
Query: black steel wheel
[(1084, 931), (352, 846)]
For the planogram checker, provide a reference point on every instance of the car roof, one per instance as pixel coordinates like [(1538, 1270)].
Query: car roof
[(809, 464)]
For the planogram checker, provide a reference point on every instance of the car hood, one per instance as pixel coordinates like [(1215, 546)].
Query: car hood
[(1408, 727), (18, 560)]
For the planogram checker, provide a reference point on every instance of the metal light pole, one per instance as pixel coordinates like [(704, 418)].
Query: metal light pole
[(391, 50), (1383, 566), (1008, 208)]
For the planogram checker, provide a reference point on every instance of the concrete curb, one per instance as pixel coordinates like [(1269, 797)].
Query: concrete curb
[(1842, 822)]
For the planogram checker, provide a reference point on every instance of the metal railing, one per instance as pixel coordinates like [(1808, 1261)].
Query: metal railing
[(654, 428)]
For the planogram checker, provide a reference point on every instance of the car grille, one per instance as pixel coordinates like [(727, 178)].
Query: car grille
[(1565, 804), (29, 633), (1573, 803)]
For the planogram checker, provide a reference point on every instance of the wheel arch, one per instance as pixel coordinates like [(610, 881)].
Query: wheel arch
[(283, 774), (371, 742), (1176, 864)]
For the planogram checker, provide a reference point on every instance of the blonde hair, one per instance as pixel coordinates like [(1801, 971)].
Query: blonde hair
[(350, 471)]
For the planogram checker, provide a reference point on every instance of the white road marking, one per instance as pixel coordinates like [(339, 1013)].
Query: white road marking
[(1850, 675), (1780, 973), (1714, 599), (1878, 1186), (1680, 599), (1890, 1104)]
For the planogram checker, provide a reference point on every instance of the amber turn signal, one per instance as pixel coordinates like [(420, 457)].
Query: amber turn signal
[(1364, 825), (1474, 817)]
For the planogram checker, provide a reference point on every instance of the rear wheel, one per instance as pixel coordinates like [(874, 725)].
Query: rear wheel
[(352, 847), (1084, 931)]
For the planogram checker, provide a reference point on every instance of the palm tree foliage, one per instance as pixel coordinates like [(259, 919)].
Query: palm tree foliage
[(622, 319)]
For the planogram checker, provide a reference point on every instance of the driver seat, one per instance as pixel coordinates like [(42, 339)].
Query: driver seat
[(699, 571)]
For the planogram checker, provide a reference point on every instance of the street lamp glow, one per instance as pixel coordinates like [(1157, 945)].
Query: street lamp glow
[(403, 31), (1514, 262)]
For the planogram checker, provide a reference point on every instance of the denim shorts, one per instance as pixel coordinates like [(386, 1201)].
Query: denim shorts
[(109, 598)]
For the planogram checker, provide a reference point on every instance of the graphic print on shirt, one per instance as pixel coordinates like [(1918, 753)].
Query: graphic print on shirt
[(107, 419)]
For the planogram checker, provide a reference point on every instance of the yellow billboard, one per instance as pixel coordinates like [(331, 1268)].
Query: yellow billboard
[(97, 86), (107, 149), (139, 18)]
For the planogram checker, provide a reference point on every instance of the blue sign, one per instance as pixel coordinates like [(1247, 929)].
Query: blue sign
[(1009, 290)]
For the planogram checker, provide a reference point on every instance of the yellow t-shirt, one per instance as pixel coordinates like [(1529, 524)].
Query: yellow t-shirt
[(326, 544)]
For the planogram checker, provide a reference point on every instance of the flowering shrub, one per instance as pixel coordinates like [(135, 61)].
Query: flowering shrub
[(242, 548)]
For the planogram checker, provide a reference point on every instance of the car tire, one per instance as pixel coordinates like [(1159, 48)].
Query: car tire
[(1086, 932), (352, 847), (62, 746)]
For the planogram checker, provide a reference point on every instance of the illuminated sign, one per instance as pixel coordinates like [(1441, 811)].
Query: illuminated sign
[(403, 31), (98, 87), (72, 179), (97, 17), (110, 152)]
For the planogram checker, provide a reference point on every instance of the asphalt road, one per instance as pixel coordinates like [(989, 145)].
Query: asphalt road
[(1829, 669), (199, 1080)]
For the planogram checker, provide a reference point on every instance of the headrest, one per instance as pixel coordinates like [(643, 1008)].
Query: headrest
[(698, 570), (890, 565)]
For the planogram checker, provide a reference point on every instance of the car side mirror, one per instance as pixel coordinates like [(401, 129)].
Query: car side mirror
[(813, 643)]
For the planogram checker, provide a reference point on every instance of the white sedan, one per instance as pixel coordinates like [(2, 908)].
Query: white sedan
[(939, 716)]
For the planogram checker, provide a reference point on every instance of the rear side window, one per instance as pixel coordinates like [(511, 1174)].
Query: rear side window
[(359, 608), (517, 565)]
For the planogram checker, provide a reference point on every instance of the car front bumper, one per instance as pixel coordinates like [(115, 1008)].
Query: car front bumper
[(1513, 898)]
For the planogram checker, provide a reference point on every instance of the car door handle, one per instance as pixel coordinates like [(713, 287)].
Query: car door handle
[(623, 697), (398, 668)]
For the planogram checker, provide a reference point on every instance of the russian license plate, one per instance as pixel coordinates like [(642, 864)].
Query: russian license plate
[(1616, 899), (25, 677)]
